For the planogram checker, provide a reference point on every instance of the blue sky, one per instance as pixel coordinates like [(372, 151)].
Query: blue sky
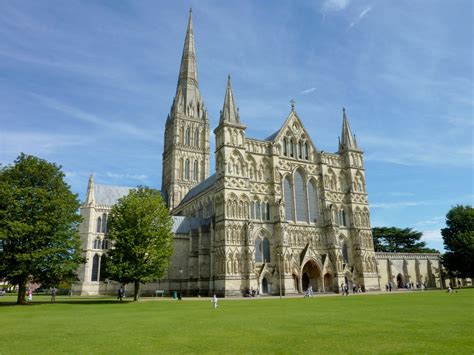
[(88, 85)]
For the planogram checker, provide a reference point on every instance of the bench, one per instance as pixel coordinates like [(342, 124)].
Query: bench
[(159, 292)]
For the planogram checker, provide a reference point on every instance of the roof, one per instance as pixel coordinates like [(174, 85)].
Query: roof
[(273, 136), (108, 195), (183, 224), (203, 186)]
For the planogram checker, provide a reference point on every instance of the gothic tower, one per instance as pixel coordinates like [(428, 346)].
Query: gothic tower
[(231, 179), (186, 147)]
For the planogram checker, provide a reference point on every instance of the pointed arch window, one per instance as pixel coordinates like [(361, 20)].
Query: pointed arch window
[(196, 137), (292, 149), (188, 136), (289, 206), (95, 268), (312, 201), (183, 141), (186, 169), (300, 197), (196, 170), (104, 223), (99, 224), (306, 150), (266, 250), (181, 168), (285, 147), (258, 250), (300, 150), (345, 254)]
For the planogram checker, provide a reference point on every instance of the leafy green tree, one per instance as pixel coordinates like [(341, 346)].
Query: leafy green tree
[(393, 239), (458, 237), (140, 230), (38, 224)]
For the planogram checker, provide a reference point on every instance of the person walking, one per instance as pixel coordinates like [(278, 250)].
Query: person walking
[(121, 293), (214, 301), (53, 294)]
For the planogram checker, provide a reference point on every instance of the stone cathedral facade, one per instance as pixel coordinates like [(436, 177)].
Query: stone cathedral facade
[(277, 212)]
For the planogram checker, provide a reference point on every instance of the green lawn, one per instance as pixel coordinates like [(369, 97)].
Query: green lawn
[(411, 322)]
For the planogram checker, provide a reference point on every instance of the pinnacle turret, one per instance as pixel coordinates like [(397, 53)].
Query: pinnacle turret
[(229, 113), (347, 140), (90, 191)]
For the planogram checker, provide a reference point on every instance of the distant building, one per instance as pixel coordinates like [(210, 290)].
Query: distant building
[(275, 208)]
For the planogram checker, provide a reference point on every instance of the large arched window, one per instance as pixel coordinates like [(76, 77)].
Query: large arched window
[(266, 250), (186, 169), (196, 170), (103, 268), (300, 197), (289, 206), (312, 201), (99, 224), (95, 268), (104, 223), (258, 250)]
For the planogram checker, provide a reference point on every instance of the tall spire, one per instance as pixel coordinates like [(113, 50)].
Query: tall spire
[(229, 112), (347, 140), (188, 99), (90, 191)]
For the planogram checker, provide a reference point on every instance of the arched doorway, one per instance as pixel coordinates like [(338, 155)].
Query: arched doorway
[(328, 282), (311, 276), (265, 286), (399, 281)]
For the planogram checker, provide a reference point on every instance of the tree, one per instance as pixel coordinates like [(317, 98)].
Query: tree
[(38, 224), (458, 237), (140, 230), (393, 239)]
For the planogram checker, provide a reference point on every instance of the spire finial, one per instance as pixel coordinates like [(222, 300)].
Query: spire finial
[(292, 102), (347, 140), (229, 112), (90, 191)]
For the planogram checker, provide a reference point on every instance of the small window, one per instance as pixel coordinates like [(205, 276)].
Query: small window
[(104, 223), (95, 268)]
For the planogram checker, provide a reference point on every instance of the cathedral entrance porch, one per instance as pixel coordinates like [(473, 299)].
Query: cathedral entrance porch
[(311, 276)]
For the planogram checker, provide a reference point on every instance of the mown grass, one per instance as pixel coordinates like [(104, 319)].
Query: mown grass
[(411, 322)]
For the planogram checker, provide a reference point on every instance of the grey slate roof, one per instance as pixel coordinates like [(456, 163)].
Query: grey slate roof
[(108, 195), (273, 136), (196, 190), (183, 224)]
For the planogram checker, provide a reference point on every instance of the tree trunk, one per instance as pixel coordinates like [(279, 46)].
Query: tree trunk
[(137, 290), (21, 292)]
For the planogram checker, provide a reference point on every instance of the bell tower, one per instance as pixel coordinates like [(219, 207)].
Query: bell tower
[(186, 146)]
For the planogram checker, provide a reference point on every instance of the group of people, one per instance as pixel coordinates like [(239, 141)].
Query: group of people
[(252, 292), (344, 289), (408, 286), (309, 292)]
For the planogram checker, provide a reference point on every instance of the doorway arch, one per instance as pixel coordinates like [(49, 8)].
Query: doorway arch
[(311, 276), (265, 286), (400, 281)]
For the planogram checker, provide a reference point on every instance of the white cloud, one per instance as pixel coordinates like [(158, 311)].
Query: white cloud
[(398, 204), (433, 235), (307, 91), (361, 16), (140, 177), (334, 5), (432, 221), (110, 124)]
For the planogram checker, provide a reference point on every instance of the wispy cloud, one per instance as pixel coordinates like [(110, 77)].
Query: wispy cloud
[(15, 142), (110, 124), (334, 5), (398, 204), (432, 221), (361, 16), (140, 177), (307, 91), (432, 235)]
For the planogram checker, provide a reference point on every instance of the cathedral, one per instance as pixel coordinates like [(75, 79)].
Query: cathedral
[(277, 215)]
